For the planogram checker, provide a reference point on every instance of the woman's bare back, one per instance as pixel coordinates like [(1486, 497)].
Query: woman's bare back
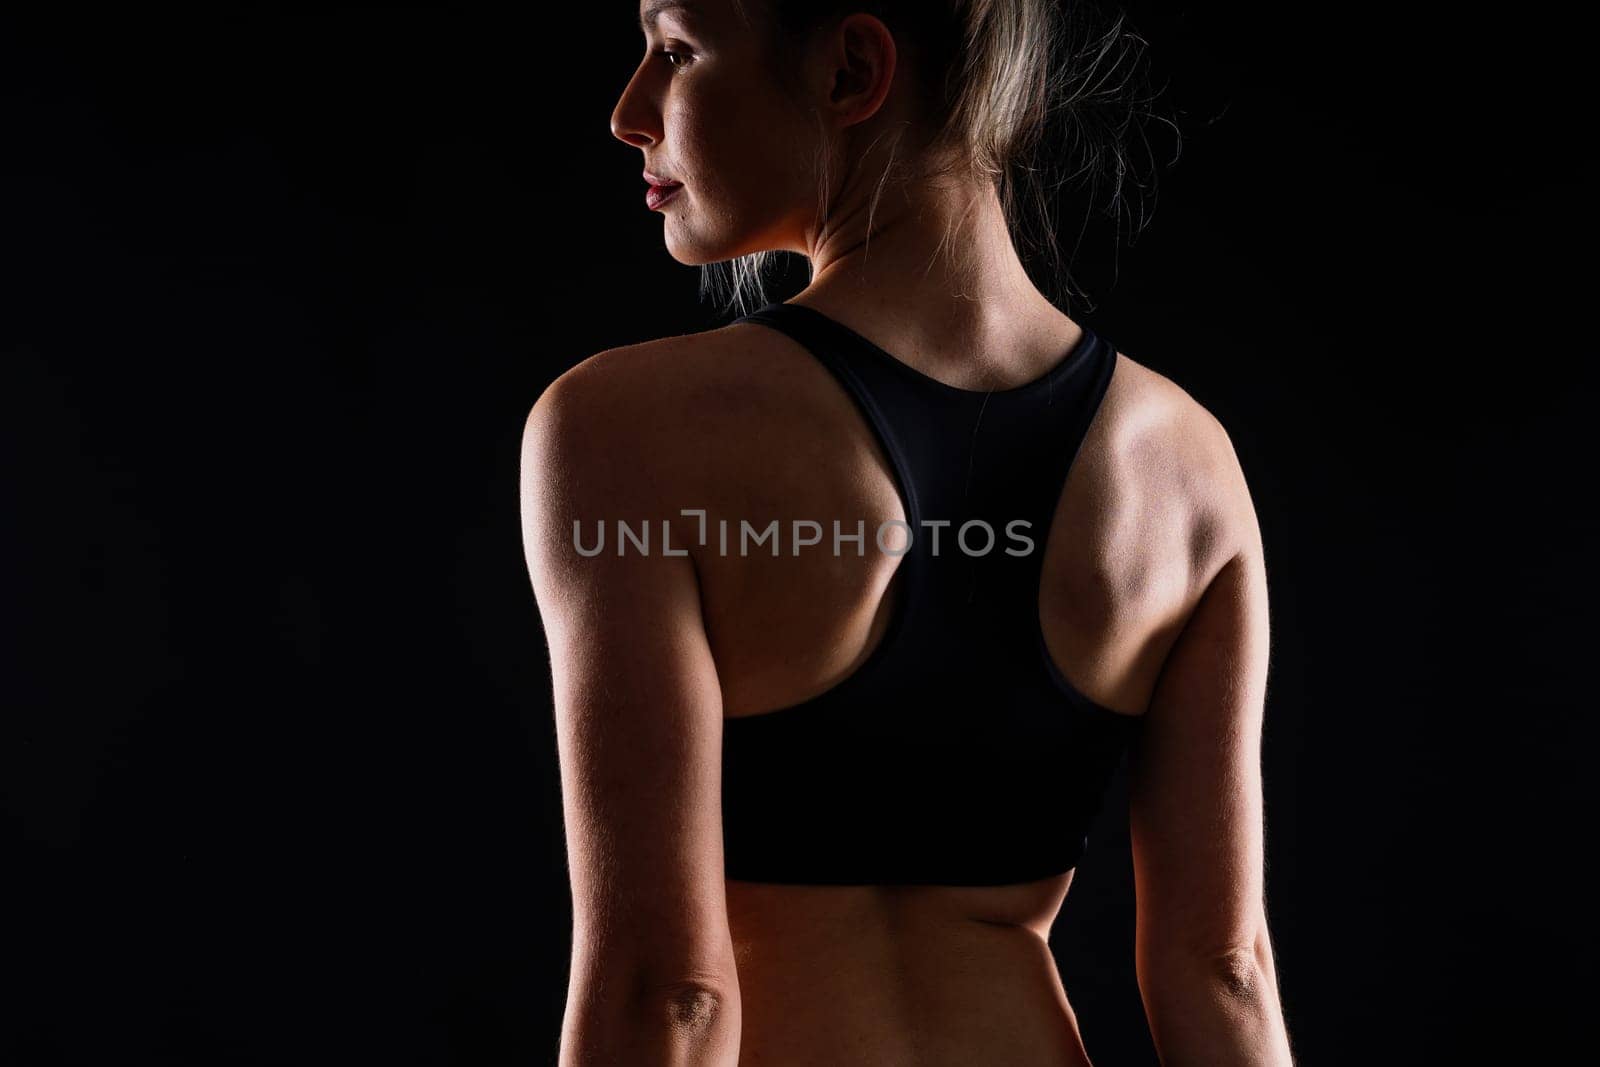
[(756, 429)]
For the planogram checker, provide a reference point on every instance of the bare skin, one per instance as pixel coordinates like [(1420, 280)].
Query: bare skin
[(923, 974), (910, 975), (1152, 602)]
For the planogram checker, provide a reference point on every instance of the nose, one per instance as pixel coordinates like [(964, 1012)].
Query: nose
[(636, 120)]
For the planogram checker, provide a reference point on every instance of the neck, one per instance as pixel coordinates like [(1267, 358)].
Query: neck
[(942, 248)]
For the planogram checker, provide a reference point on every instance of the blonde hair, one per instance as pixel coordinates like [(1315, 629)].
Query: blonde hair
[(1032, 95)]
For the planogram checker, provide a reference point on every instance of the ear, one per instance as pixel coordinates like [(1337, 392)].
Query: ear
[(859, 61)]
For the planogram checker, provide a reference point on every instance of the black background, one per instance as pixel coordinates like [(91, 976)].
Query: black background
[(279, 290)]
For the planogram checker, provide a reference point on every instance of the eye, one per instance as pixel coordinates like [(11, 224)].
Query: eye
[(678, 60)]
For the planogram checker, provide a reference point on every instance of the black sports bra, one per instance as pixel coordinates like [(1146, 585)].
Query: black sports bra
[(957, 753)]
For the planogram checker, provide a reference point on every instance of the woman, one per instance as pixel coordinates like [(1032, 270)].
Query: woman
[(824, 804)]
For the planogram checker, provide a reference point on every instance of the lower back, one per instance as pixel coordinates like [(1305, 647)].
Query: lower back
[(914, 976)]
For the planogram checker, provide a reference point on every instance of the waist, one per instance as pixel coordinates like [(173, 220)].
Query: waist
[(901, 974)]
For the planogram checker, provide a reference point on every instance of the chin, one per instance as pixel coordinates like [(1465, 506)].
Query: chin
[(690, 257), (693, 252), (735, 231)]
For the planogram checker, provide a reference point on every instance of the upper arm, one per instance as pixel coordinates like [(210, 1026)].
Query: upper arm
[(1195, 783), (638, 705)]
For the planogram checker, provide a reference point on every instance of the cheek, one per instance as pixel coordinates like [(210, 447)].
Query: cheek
[(760, 176), (743, 157)]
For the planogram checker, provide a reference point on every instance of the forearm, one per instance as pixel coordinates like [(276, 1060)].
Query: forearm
[(688, 1026), (1217, 1011)]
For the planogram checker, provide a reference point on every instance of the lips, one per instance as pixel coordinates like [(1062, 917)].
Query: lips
[(661, 190), (657, 195)]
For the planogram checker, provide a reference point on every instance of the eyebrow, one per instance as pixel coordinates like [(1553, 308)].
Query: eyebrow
[(656, 8)]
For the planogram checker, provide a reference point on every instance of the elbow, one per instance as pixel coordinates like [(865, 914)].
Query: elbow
[(693, 1006), (1216, 1007), (1240, 975), (694, 1021), (1236, 976)]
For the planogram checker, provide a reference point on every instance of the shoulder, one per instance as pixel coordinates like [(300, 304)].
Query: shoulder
[(630, 386), (651, 419), (614, 383), (1162, 445)]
